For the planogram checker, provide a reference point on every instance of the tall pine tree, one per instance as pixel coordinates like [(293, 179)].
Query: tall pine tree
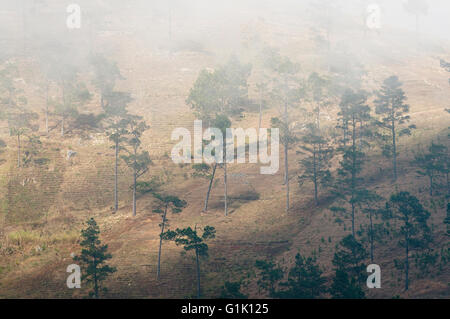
[(390, 105)]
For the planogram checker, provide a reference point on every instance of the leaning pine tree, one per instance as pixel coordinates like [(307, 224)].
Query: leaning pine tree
[(93, 257)]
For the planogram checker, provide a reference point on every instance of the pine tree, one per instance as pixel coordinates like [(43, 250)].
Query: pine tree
[(305, 280), (21, 122), (433, 164), (316, 166), (349, 270), (286, 93), (368, 201), (136, 160), (166, 202), (447, 220), (414, 233), (205, 171), (269, 275), (93, 257), (348, 184), (390, 104), (117, 120), (191, 240), (20, 119), (222, 122), (321, 92), (232, 290), (262, 88)]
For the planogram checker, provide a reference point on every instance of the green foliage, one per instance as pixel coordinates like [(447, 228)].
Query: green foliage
[(150, 186), (354, 112), (190, 239), (413, 233), (169, 201), (447, 219), (32, 151), (202, 170), (138, 161), (390, 105), (350, 269), (305, 280), (407, 209), (316, 166), (232, 290), (269, 275), (93, 257), (434, 164)]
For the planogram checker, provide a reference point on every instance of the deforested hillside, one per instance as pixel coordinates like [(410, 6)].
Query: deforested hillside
[(347, 166)]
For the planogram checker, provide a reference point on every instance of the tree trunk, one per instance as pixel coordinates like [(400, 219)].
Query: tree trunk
[(116, 194), (286, 172), (353, 175), (431, 185), (198, 273), (315, 177), (134, 181), (64, 106), (448, 183), (286, 147), (353, 218), (209, 187), (260, 113), (46, 109), (95, 280), (406, 261), (18, 150), (318, 117), (371, 236), (163, 224), (394, 147), (226, 185), (134, 193)]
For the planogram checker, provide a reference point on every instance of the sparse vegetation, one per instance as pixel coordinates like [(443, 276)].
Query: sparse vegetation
[(363, 130)]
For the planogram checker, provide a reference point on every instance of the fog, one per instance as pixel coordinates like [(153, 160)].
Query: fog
[(156, 20)]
